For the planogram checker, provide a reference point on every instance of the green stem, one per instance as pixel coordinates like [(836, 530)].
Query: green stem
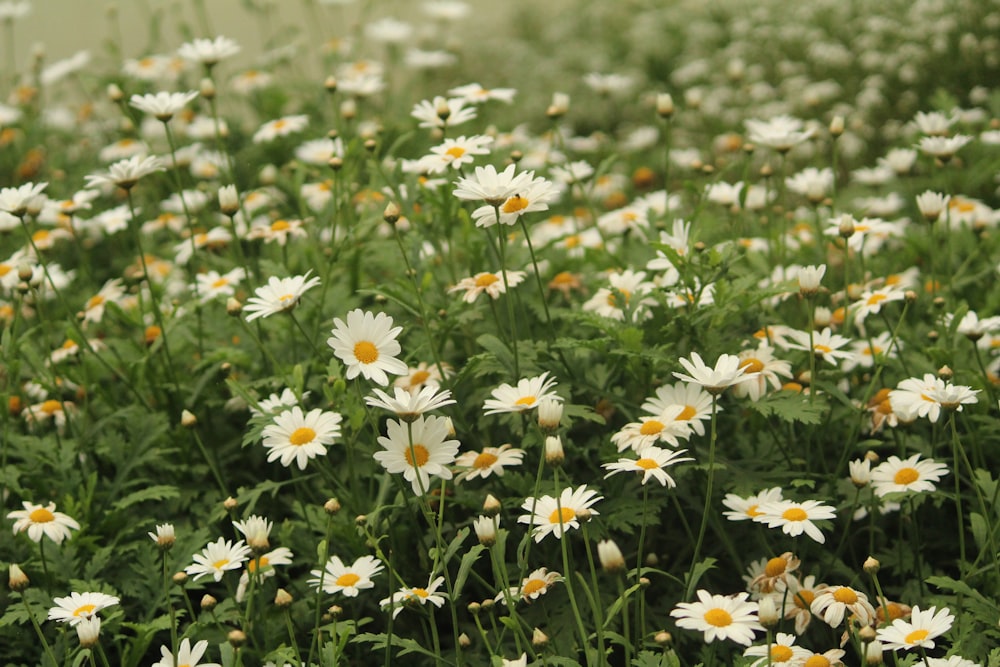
[(501, 237), (38, 631), (708, 503)]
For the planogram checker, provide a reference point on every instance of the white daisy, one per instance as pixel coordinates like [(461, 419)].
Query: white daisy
[(526, 396), (911, 475), (651, 463), (491, 460), (795, 518), (279, 295), (548, 515), (347, 579), (418, 449), (408, 405), (415, 597), (217, 558), (920, 631), (746, 509), (79, 606), (727, 372), (297, 437), (367, 344), (720, 617), (43, 521)]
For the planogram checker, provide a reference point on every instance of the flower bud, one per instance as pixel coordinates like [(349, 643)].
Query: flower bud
[(538, 638), (229, 200), (871, 565), (486, 530), (282, 598), (554, 454), (767, 612), (188, 420), (230, 503), (391, 213), (88, 629), (664, 105), (837, 126), (663, 638), (179, 578), (233, 307), (17, 580), (610, 556), (549, 415), (206, 87), (331, 506), (330, 83), (464, 641), (236, 638), (208, 602), (491, 506)]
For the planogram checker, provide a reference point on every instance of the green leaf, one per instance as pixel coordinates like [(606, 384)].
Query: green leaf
[(468, 560), (791, 407), (158, 492), (498, 349), (979, 529), (697, 573)]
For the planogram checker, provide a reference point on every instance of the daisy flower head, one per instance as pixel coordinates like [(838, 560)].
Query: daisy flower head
[(825, 344), (745, 509), (534, 195), (652, 463), (665, 427), (695, 403), (441, 112), (15, 200), (263, 567), (532, 587), (951, 661), (456, 152), (212, 285), (491, 460), (548, 515), (827, 658), (833, 602), (727, 372), (77, 607), (418, 449), (782, 651), (795, 518), (162, 105), (349, 580), (943, 148), (256, 530), (627, 291), (208, 52), (296, 437), (490, 186), (920, 631), (473, 93), (528, 393), (911, 475), (187, 655), (43, 521), (217, 558), (367, 345), (422, 375), (410, 405), (279, 295), (280, 127), (768, 369), (126, 173), (415, 597), (720, 617), (926, 396), (782, 133), (491, 284)]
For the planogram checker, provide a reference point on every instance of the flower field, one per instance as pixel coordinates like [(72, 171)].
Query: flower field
[(449, 333)]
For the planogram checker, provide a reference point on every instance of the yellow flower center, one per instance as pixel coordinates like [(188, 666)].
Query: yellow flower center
[(256, 563), (85, 610), (221, 282), (804, 599), (303, 435), (347, 580), (455, 152), (514, 204), (5, 269), (285, 298), (94, 301), (561, 516), (906, 476), (775, 566), (366, 352), (781, 653), (895, 611), (533, 586), (794, 514), (51, 406), (916, 636), (69, 345), (484, 461), (486, 279), (280, 225), (753, 511), (221, 563), (647, 464), (876, 299), (824, 349), (845, 595), (41, 515), (420, 592), (279, 124), (651, 427), (687, 413), (816, 661), (40, 236), (525, 400), (418, 452), (419, 377), (720, 618), (752, 366)]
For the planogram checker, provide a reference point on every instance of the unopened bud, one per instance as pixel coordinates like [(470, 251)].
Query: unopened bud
[(474, 608), (331, 506), (208, 602), (539, 638), (207, 88), (188, 420), (17, 580), (230, 503), (663, 638), (910, 296), (867, 634), (516, 156), (391, 213), (871, 565), (837, 126), (464, 641), (664, 105), (229, 200), (370, 145), (873, 653), (487, 604), (115, 93), (945, 372), (282, 598), (549, 415), (610, 556), (179, 578), (554, 454), (491, 506), (361, 520), (268, 174), (767, 612), (330, 83), (349, 109), (335, 163), (846, 227), (236, 638), (335, 612), (486, 530), (233, 307)]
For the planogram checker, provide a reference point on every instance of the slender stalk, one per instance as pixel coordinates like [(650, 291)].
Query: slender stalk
[(501, 237), (38, 631), (708, 503)]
